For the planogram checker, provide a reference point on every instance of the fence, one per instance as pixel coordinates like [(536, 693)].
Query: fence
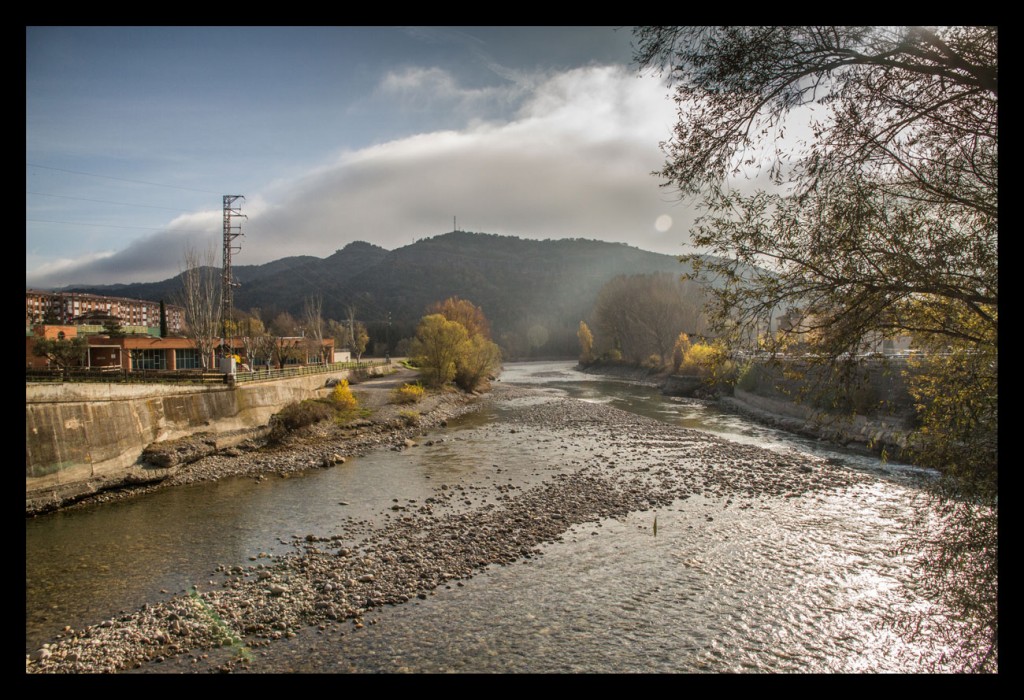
[(190, 376), (300, 370)]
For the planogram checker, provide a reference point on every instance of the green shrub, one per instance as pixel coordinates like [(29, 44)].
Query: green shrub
[(410, 417), (408, 393)]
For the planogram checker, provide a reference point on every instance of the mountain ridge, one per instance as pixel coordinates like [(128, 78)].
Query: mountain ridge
[(534, 292)]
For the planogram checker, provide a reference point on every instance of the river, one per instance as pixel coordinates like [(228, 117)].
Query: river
[(772, 584)]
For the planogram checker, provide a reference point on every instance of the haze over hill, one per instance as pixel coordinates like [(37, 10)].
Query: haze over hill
[(533, 292)]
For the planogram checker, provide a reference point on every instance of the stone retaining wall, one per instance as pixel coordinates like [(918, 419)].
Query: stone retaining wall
[(84, 438)]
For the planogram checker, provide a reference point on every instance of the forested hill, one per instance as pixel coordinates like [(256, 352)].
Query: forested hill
[(533, 292)]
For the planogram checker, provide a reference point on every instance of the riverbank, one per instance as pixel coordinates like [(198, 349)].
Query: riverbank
[(204, 457), (632, 464), (879, 435)]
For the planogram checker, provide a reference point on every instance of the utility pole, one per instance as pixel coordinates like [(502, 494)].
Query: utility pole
[(232, 230)]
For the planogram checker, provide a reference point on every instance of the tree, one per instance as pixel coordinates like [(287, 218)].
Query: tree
[(312, 315), (350, 333), (339, 332), (877, 218), (679, 350), (359, 340), (201, 298), (113, 328), (65, 353), (889, 199), (287, 350), (447, 350), (284, 325), (163, 319), (465, 312), (437, 346), (586, 343), (257, 342), (642, 315), (478, 357)]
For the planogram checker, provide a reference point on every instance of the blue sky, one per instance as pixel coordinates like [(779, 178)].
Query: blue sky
[(133, 134)]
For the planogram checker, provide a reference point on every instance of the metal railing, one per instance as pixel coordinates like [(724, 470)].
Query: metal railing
[(118, 375), (302, 370)]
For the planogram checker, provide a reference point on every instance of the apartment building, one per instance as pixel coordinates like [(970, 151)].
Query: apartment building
[(67, 308)]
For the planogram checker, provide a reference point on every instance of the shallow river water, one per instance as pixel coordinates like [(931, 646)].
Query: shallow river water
[(801, 584)]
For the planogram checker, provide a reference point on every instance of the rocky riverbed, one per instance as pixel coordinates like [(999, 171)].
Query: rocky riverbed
[(337, 578), (196, 458)]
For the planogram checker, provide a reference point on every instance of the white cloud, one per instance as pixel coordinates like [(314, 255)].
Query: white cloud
[(62, 267), (574, 161)]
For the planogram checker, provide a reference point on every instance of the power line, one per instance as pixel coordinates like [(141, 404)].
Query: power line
[(105, 201), (80, 223), (121, 179)]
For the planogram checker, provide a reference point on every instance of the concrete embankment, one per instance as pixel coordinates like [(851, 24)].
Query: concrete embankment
[(84, 438), (452, 535), (873, 433)]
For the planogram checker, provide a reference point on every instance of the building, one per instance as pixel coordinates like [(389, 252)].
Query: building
[(66, 308), (144, 351)]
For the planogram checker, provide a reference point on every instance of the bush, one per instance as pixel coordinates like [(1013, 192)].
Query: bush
[(679, 350), (410, 417), (748, 377), (711, 363), (298, 415), (613, 355), (408, 393), (342, 397)]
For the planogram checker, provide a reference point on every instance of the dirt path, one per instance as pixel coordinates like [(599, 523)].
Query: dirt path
[(376, 391)]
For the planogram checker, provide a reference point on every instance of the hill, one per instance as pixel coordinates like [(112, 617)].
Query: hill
[(533, 292)]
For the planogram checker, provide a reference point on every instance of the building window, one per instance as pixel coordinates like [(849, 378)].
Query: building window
[(186, 359), (151, 359)]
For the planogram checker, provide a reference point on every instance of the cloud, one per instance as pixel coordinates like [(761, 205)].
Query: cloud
[(574, 160), (434, 96)]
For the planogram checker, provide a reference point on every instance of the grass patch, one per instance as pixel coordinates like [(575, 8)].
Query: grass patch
[(408, 393), (222, 631)]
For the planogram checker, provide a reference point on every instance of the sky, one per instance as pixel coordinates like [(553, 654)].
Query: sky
[(333, 135)]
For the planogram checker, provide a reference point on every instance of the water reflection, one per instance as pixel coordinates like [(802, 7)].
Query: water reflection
[(772, 584), (562, 379)]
